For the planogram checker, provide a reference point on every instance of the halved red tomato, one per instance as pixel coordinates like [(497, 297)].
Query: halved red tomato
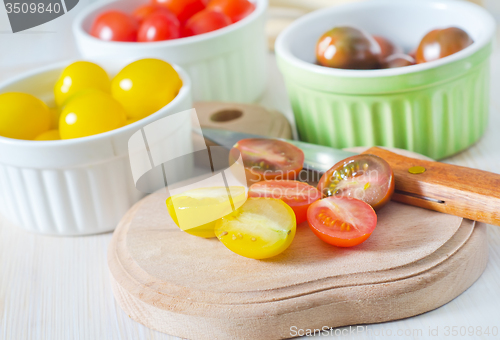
[(366, 177), (298, 195), (342, 221), (266, 159)]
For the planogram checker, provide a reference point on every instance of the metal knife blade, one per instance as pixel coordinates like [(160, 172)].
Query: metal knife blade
[(316, 157)]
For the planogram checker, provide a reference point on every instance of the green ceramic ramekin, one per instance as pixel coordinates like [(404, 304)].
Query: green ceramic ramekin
[(436, 109)]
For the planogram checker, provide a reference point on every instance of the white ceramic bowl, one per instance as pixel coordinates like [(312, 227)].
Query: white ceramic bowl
[(76, 186), (226, 65)]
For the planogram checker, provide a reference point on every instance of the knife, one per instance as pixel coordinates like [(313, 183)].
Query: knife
[(450, 189)]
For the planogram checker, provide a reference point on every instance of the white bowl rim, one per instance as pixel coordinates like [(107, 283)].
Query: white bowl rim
[(260, 7), (282, 48), (184, 91)]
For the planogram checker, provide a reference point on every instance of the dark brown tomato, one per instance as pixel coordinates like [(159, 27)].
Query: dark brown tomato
[(348, 48), (266, 159), (387, 48), (365, 177), (441, 43), (398, 60)]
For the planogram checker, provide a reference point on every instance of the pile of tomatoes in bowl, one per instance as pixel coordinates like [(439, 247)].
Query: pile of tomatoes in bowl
[(169, 19), (89, 102), (340, 210), (348, 47)]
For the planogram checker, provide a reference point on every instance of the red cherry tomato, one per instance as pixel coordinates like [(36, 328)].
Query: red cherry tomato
[(115, 26), (365, 177), (266, 159), (297, 195), (441, 43), (142, 12), (234, 9), (342, 221), (159, 26), (183, 9), (204, 22)]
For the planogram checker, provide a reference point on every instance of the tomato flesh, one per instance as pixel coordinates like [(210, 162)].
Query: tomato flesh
[(365, 177), (298, 195), (197, 211), (342, 221), (266, 159), (115, 26), (259, 229)]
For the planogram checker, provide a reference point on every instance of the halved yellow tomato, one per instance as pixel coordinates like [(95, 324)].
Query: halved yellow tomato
[(259, 229), (196, 211)]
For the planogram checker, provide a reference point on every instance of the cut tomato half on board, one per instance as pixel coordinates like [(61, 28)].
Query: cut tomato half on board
[(266, 159), (366, 177), (196, 211), (259, 229), (297, 195), (342, 221)]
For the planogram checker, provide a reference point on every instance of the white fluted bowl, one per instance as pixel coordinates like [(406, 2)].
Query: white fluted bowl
[(228, 64), (75, 186)]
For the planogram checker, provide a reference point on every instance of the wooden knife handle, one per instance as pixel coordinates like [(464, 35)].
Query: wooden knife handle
[(453, 189)]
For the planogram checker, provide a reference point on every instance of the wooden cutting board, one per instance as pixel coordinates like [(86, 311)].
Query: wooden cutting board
[(248, 118), (416, 260)]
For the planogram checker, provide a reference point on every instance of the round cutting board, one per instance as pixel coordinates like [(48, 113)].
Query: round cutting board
[(416, 260)]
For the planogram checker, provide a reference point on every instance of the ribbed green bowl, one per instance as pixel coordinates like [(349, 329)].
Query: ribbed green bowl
[(436, 109)]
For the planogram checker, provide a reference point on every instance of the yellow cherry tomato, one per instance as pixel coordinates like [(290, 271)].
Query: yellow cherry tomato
[(145, 86), (79, 76), (23, 116), (131, 121), (77, 94), (89, 114), (259, 229), (54, 113), (49, 135), (196, 211)]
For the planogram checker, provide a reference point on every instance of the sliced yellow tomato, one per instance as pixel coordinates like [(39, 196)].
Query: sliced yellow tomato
[(259, 229), (196, 211)]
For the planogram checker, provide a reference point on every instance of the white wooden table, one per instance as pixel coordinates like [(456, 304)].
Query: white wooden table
[(58, 287)]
